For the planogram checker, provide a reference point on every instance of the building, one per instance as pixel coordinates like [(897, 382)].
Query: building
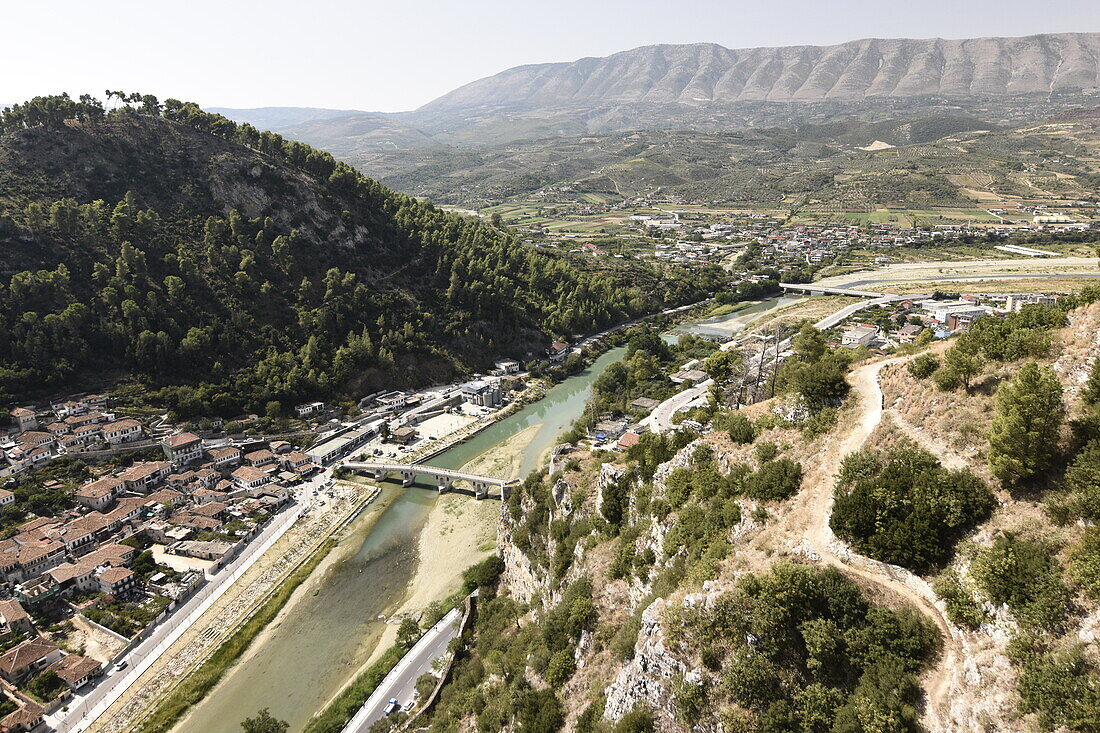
[(859, 336), (99, 493), (628, 440), (76, 671), (27, 718), (507, 366), (122, 431), (87, 418), (34, 439), (24, 419), (249, 477), (88, 434), (142, 476), (116, 581), (342, 443), (183, 448), (907, 333), (1015, 302), (225, 457), (13, 619), (482, 393), (310, 408), (688, 375), (26, 659), (297, 461), (403, 435), (6, 497), (260, 458), (645, 404), (557, 352)]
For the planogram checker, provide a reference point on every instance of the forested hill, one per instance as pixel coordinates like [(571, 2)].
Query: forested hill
[(234, 268)]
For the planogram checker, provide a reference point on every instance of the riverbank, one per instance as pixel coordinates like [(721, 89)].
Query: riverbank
[(460, 532), (339, 550)]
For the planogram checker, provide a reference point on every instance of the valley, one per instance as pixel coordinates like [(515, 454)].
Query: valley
[(683, 388)]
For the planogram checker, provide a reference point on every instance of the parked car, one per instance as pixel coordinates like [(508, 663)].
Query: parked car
[(390, 706)]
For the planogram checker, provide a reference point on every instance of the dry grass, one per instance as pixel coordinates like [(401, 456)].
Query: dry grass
[(1016, 285)]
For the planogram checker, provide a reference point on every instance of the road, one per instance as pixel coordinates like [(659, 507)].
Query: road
[(961, 270), (400, 683), (660, 419), (85, 708)]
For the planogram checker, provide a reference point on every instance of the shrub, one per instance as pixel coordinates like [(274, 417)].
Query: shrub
[(766, 451), (901, 506), (561, 667), (740, 428), (1082, 479), (946, 379), (1084, 563), (962, 608), (819, 423), (1063, 690), (1025, 576), (803, 649), (774, 481), (923, 366)]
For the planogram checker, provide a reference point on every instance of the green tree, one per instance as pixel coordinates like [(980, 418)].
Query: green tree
[(964, 360), (407, 633), (264, 722), (724, 367), (1024, 436), (809, 344)]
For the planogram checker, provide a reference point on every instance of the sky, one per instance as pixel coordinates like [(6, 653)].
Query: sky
[(397, 55)]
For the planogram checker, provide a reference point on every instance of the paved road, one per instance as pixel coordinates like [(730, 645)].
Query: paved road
[(85, 708), (660, 419), (401, 681)]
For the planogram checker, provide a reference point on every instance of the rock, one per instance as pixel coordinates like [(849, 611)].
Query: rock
[(646, 680)]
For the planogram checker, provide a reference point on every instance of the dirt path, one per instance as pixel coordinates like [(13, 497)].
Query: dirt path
[(819, 538), (945, 455)]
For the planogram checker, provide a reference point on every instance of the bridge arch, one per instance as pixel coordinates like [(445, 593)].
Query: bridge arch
[(444, 477)]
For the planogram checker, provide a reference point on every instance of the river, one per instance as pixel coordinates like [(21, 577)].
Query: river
[(333, 625)]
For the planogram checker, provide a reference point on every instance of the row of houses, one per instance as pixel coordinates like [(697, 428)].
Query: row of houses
[(70, 427)]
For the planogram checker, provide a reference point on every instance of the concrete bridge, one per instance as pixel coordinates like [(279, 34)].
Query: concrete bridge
[(444, 477), (825, 290)]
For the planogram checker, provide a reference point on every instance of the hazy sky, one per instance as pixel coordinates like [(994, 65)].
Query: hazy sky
[(400, 54)]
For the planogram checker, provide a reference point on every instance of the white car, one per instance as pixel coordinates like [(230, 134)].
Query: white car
[(390, 706)]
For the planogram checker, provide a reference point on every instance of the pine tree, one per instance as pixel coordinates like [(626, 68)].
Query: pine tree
[(1023, 439)]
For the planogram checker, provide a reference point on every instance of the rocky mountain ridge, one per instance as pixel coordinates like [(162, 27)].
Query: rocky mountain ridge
[(705, 73)]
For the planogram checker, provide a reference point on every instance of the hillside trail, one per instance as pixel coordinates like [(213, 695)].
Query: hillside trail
[(819, 537), (946, 456)]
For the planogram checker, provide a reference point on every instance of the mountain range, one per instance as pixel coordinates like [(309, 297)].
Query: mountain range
[(711, 88)]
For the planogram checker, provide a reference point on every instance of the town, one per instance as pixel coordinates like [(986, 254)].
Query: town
[(106, 564)]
